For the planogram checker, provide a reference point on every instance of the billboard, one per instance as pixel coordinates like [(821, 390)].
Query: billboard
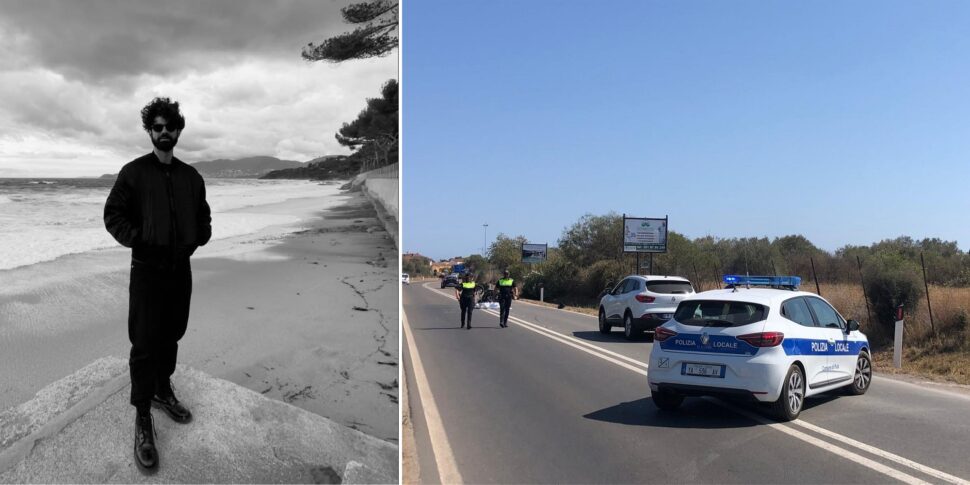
[(534, 253), (644, 235)]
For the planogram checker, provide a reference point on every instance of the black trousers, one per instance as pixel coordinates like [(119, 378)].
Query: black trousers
[(158, 313), (466, 305), (504, 304)]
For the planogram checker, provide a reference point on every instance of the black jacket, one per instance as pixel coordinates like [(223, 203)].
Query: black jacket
[(158, 210)]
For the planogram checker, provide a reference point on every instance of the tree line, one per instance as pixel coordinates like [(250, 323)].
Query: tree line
[(588, 258)]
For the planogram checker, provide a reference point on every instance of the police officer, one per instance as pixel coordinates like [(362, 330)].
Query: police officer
[(466, 298), (506, 291)]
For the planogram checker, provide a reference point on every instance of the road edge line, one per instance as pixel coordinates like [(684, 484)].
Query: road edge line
[(444, 457)]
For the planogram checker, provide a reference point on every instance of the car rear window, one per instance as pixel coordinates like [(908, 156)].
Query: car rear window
[(715, 313), (669, 287)]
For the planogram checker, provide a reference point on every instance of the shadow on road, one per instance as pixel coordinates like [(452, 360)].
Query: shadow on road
[(596, 336), (704, 413), (693, 413)]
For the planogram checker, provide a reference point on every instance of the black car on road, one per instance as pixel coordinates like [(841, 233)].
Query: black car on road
[(450, 280)]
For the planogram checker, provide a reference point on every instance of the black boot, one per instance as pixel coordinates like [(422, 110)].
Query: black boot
[(146, 455), (173, 408)]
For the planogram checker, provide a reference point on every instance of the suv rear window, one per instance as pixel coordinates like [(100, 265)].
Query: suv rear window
[(714, 313), (669, 287)]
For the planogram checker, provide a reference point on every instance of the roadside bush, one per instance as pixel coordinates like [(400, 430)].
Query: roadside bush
[(561, 276), (892, 280), (530, 285), (599, 275)]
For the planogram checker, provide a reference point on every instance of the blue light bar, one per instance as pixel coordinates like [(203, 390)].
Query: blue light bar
[(777, 281)]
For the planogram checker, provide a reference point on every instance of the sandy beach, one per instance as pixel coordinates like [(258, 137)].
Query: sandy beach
[(308, 318)]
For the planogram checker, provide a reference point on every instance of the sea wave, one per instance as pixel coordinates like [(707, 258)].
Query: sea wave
[(69, 221)]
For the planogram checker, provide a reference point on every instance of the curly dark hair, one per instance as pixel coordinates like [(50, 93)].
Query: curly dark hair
[(165, 108)]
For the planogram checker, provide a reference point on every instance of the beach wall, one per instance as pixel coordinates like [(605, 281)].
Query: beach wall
[(381, 186)]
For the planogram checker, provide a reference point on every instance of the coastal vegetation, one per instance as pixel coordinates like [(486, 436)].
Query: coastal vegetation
[(375, 34)]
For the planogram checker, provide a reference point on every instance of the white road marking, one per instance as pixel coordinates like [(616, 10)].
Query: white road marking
[(554, 333), (885, 454), (844, 453), (443, 456), (564, 339)]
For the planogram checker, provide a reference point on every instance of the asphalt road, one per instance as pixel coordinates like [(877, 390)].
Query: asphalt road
[(550, 400)]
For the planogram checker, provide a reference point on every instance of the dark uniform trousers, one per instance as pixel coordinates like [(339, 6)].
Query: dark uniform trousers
[(467, 305), (158, 313), (504, 304)]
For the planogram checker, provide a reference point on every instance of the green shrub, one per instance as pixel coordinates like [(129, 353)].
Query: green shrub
[(599, 275), (892, 280), (530, 285)]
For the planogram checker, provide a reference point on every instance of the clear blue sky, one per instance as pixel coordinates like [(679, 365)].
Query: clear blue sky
[(845, 122)]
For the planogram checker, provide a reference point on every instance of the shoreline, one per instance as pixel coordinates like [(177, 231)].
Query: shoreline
[(316, 352)]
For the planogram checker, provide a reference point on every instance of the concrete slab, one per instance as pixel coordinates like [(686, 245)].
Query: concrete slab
[(80, 429)]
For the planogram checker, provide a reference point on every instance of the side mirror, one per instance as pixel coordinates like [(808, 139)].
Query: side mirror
[(852, 325)]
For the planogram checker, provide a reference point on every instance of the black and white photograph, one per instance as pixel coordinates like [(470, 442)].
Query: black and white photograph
[(199, 271)]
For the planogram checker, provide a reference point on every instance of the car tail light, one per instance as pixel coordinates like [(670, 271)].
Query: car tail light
[(645, 299), (763, 339), (660, 334)]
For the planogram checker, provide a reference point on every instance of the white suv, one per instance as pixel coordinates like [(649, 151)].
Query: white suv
[(640, 303)]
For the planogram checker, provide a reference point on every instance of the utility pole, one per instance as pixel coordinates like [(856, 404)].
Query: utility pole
[(484, 238)]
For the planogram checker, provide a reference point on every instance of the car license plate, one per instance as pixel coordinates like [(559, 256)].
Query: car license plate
[(666, 316), (703, 370)]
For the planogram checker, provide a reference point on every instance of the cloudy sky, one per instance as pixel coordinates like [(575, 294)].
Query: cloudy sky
[(75, 74)]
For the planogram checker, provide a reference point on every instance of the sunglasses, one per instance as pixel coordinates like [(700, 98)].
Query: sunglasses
[(158, 127)]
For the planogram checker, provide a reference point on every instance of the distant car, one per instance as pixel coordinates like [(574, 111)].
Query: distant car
[(450, 280), (642, 303), (405, 278), (774, 345)]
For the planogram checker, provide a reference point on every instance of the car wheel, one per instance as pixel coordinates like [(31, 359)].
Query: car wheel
[(628, 330), (667, 401), (792, 398), (863, 375), (604, 325)]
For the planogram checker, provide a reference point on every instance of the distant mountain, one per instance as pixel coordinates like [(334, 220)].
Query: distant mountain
[(250, 167), (324, 168)]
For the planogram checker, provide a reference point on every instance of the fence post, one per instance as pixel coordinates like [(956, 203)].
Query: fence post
[(818, 290), (697, 277), (927, 286), (898, 339)]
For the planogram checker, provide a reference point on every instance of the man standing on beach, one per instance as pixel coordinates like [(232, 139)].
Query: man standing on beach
[(506, 290), (157, 208)]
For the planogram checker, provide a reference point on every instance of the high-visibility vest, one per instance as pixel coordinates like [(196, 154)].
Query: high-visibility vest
[(505, 282), (468, 286)]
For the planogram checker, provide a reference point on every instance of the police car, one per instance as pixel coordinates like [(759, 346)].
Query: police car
[(760, 338)]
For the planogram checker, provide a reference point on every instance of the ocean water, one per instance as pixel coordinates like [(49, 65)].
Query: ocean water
[(43, 219)]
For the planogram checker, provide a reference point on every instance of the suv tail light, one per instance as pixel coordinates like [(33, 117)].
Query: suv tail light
[(645, 299), (762, 339), (660, 334)]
